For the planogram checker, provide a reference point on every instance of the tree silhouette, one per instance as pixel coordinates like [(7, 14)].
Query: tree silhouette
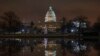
[(64, 21), (31, 24), (63, 24), (31, 27), (69, 25), (96, 26), (82, 20), (12, 21)]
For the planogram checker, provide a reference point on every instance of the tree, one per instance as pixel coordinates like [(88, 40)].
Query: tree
[(64, 21), (31, 27), (81, 23), (12, 21), (31, 24), (96, 26), (69, 26), (63, 24)]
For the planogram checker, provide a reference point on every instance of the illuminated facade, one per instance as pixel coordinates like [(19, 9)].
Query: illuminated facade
[(49, 21)]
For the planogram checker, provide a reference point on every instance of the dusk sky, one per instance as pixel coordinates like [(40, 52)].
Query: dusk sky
[(29, 10)]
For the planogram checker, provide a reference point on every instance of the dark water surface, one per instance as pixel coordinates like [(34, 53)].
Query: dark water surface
[(35, 47)]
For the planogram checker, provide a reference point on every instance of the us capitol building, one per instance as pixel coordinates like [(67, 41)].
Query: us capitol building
[(50, 21)]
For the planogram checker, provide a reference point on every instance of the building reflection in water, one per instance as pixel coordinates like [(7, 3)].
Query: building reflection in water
[(50, 53), (51, 48), (54, 47)]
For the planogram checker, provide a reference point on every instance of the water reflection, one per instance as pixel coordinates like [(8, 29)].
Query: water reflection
[(50, 53), (54, 47), (76, 46)]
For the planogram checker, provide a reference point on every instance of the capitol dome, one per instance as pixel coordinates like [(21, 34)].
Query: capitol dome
[(50, 15)]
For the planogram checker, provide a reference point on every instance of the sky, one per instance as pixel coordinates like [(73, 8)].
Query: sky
[(34, 10)]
